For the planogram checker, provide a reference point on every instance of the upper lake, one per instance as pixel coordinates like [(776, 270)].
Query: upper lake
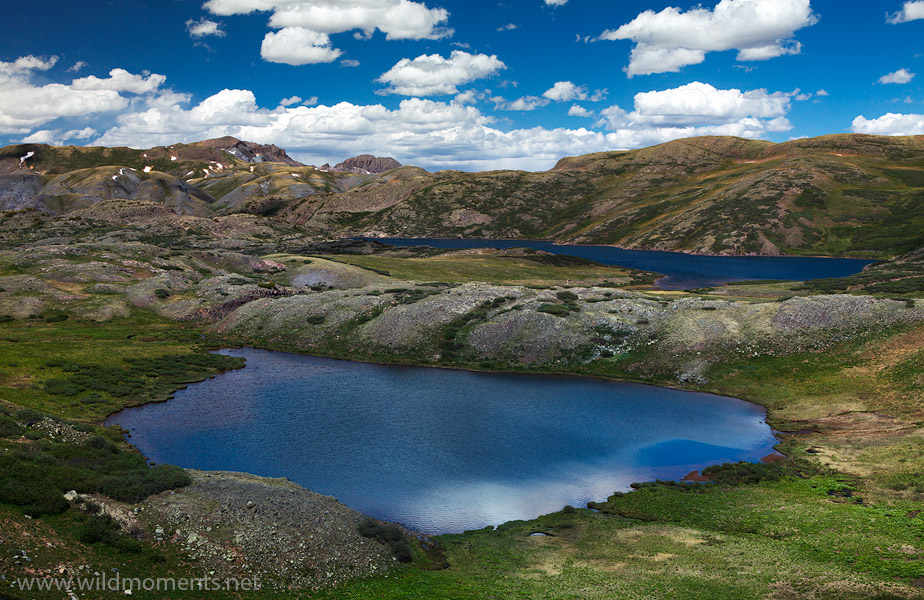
[(681, 271), (442, 450)]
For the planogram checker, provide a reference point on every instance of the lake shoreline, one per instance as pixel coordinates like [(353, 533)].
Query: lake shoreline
[(540, 375), (619, 247)]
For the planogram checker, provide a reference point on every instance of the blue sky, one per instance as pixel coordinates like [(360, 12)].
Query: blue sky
[(457, 84)]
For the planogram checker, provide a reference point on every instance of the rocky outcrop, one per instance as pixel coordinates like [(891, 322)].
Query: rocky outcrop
[(526, 327), (364, 164), (18, 188), (251, 152), (243, 525)]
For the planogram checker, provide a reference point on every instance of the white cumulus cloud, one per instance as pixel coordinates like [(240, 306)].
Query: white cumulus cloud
[(700, 103), (699, 109), (564, 91), (577, 110), (902, 76), (556, 2), (120, 80), (433, 75), (910, 11), (890, 124), (304, 26), (57, 137), (669, 40), (27, 64), (524, 104), (204, 27), (298, 46)]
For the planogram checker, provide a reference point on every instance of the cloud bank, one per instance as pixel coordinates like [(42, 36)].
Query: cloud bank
[(453, 134), (890, 124), (24, 105)]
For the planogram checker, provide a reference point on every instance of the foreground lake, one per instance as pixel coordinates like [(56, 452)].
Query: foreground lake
[(442, 450), (681, 271)]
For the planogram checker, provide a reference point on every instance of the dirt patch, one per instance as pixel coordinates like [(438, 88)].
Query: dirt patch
[(695, 476), (773, 458)]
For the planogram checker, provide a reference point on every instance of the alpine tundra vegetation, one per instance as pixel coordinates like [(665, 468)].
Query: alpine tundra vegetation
[(155, 229)]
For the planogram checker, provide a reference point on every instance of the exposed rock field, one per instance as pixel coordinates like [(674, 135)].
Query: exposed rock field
[(234, 524)]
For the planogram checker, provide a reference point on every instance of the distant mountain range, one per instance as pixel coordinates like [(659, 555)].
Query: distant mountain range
[(838, 194)]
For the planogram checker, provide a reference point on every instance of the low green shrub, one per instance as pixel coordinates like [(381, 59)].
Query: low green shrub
[(743, 473), (559, 310), (139, 374), (36, 475), (901, 286), (102, 529), (315, 319), (388, 534), (9, 428), (136, 485), (27, 416), (679, 486)]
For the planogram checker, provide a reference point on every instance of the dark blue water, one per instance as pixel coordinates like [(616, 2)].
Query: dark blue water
[(681, 271), (443, 450)]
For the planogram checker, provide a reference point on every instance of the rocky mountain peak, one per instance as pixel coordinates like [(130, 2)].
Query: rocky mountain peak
[(364, 164), (251, 152)]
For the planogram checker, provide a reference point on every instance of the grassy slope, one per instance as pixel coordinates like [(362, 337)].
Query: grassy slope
[(492, 269), (27, 348)]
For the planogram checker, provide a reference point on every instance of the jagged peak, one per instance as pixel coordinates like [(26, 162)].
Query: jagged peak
[(250, 151)]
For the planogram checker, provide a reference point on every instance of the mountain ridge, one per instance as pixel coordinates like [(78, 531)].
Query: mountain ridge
[(842, 194), (249, 151)]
